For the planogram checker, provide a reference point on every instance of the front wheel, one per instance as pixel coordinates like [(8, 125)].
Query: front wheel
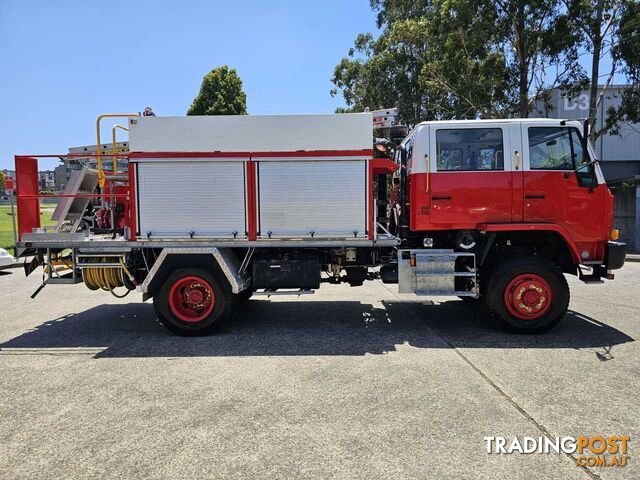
[(192, 302), (528, 295)]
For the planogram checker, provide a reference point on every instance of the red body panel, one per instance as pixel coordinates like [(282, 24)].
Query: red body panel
[(26, 192), (555, 198), (383, 166), (252, 216), (514, 201), (460, 200), (133, 202), (370, 219)]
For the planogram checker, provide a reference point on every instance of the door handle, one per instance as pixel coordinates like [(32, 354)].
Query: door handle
[(517, 155), (534, 195), (441, 197)]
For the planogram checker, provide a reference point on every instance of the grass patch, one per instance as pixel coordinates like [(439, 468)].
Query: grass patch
[(6, 227)]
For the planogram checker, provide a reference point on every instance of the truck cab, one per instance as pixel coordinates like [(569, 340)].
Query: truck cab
[(521, 192), (522, 174)]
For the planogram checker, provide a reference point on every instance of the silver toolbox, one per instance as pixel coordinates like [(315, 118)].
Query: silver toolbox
[(434, 272)]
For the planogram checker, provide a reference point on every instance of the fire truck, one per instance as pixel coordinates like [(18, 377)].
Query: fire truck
[(212, 210)]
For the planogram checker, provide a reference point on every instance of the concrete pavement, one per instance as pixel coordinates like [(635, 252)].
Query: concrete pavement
[(347, 383)]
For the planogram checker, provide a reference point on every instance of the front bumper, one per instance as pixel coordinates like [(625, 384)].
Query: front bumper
[(614, 255)]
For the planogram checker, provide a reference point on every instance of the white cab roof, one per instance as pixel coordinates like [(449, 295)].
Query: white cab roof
[(547, 121)]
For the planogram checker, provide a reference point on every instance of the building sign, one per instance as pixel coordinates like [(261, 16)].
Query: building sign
[(581, 102)]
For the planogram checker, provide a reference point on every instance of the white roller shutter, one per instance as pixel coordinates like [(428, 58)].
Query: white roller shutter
[(298, 197), (204, 197)]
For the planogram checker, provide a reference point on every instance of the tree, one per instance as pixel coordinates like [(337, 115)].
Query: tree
[(627, 50), (2, 184), (376, 74), (596, 23), (220, 94), (540, 48), (444, 59), (433, 59), (465, 68)]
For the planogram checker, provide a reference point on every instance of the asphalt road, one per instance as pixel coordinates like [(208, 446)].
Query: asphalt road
[(353, 383)]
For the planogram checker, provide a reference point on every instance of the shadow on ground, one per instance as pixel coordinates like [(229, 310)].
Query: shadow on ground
[(306, 328)]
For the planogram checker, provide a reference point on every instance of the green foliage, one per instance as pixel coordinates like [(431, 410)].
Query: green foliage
[(220, 94), (540, 47), (1, 180), (628, 51), (594, 23), (443, 59)]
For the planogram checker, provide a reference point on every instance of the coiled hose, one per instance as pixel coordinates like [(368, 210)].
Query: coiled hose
[(107, 278)]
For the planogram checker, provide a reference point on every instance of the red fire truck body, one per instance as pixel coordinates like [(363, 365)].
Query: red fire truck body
[(213, 210)]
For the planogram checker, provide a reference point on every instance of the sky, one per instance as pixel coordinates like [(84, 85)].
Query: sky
[(62, 63)]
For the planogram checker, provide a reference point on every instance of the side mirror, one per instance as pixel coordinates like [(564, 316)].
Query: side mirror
[(585, 141)]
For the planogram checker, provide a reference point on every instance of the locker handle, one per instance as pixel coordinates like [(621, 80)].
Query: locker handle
[(441, 197)]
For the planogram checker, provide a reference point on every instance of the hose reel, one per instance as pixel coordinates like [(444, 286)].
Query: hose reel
[(107, 274)]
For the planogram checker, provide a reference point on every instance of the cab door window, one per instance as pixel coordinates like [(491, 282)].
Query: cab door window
[(469, 149), (554, 148)]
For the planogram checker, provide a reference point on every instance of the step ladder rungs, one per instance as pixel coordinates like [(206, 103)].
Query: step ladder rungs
[(268, 293)]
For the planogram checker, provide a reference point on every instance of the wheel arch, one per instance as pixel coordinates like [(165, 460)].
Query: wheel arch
[(547, 241), (221, 261)]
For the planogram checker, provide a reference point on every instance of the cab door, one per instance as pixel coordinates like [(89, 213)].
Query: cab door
[(471, 179), (553, 191)]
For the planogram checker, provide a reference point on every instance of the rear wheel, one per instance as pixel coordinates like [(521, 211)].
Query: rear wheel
[(528, 295), (192, 301)]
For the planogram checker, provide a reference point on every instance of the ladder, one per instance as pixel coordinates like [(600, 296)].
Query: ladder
[(70, 209)]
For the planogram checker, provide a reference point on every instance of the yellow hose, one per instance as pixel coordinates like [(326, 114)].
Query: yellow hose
[(106, 278)]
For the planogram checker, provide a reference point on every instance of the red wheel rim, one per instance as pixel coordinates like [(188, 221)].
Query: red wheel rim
[(191, 299), (528, 296)]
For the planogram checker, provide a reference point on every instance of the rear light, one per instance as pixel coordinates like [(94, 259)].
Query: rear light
[(615, 234), (381, 148)]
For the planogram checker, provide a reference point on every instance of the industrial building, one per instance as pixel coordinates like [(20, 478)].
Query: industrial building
[(69, 164), (619, 155)]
